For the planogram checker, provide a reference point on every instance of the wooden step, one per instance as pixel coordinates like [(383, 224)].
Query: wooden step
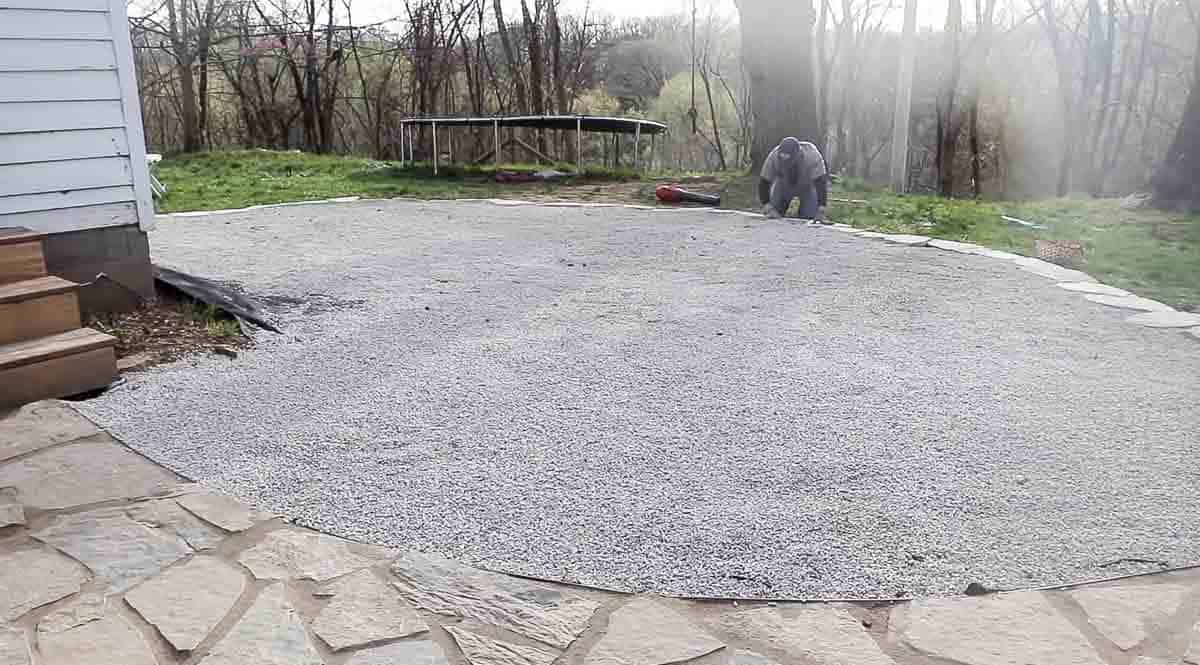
[(59, 365), (21, 254), (37, 307)]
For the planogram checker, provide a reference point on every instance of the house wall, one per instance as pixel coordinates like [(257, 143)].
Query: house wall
[(72, 153)]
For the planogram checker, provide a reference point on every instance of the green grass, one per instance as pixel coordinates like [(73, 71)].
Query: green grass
[(214, 180), (1154, 254)]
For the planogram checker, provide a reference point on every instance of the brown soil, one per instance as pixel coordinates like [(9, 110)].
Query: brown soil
[(167, 330)]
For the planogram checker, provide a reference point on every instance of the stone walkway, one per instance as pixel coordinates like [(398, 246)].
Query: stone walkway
[(109, 559)]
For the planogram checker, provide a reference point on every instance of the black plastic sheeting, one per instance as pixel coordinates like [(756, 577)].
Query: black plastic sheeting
[(215, 294), (588, 123)]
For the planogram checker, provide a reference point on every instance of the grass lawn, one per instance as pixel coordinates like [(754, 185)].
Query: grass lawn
[(1151, 253)]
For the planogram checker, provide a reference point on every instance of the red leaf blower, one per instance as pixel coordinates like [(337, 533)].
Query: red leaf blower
[(676, 194)]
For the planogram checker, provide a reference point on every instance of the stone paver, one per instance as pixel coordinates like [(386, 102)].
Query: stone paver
[(14, 649), (11, 511), (955, 246), (269, 633), (1004, 629), (824, 635), (106, 640), (98, 469), (169, 515), (118, 550), (221, 510), (545, 612), (1166, 319), (1192, 657), (32, 578), (419, 652), (998, 254), (483, 650), (365, 609), (1194, 332), (35, 426), (1055, 272), (871, 234), (743, 657), (907, 239), (289, 553), (1123, 614), (646, 632), (1130, 302), (187, 601), (1094, 287)]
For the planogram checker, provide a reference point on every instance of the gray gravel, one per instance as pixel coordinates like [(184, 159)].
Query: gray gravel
[(680, 402)]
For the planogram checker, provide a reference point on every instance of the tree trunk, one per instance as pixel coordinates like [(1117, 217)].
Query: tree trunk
[(779, 63), (514, 69), (1176, 185), (949, 122), (556, 66), (537, 98)]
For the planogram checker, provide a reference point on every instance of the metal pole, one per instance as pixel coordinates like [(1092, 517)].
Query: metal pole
[(450, 144), (652, 151), (435, 148), (412, 158), (637, 145), (402, 162), (904, 85), (496, 130), (579, 145)]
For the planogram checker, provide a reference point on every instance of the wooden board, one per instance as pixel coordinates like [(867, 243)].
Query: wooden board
[(71, 5), (20, 261), (41, 177), (52, 24), (57, 377), (21, 117), (38, 287), (75, 219), (63, 344), (64, 86), (37, 317), (72, 198), (14, 235)]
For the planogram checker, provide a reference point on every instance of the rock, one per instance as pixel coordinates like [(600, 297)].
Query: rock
[(1123, 614), (289, 553), (14, 650), (824, 634), (11, 511), (1001, 629), (187, 601), (365, 609), (1136, 201), (35, 426), (845, 229), (1046, 269), (168, 514), (133, 362), (543, 612), (108, 640), (269, 633), (997, 254), (954, 246), (222, 510), (481, 650), (224, 351), (645, 632), (1130, 302), (97, 469), (871, 234), (1158, 320), (422, 652), (118, 550), (84, 608), (32, 578), (907, 239), (1093, 287), (1194, 332)]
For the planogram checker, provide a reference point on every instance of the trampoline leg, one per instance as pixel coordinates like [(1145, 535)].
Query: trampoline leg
[(637, 146), (435, 148), (579, 145), (496, 131)]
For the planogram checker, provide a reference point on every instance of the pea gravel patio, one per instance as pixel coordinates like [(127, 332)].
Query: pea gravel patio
[(679, 402)]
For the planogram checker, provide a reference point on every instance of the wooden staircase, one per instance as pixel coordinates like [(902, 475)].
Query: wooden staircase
[(44, 351)]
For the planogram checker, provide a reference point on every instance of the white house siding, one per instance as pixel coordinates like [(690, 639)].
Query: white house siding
[(72, 153)]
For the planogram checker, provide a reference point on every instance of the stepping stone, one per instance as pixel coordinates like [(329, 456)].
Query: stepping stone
[(187, 601), (823, 634), (954, 246), (421, 652), (547, 613), (997, 254), (845, 229), (35, 426), (1194, 332), (481, 650), (743, 657), (118, 550), (107, 639), (1124, 613), (292, 554), (871, 234), (1093, 287), (646, 632), (1130, 302), (97, 469), (1151, 320), (222, 510), (169, 515), (11, 511), (269, 633), (13, 648), (907, 239), (87, 606), (365, 609), (1047, 269), (1000, 629), (1192, 657), (32, 578)]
